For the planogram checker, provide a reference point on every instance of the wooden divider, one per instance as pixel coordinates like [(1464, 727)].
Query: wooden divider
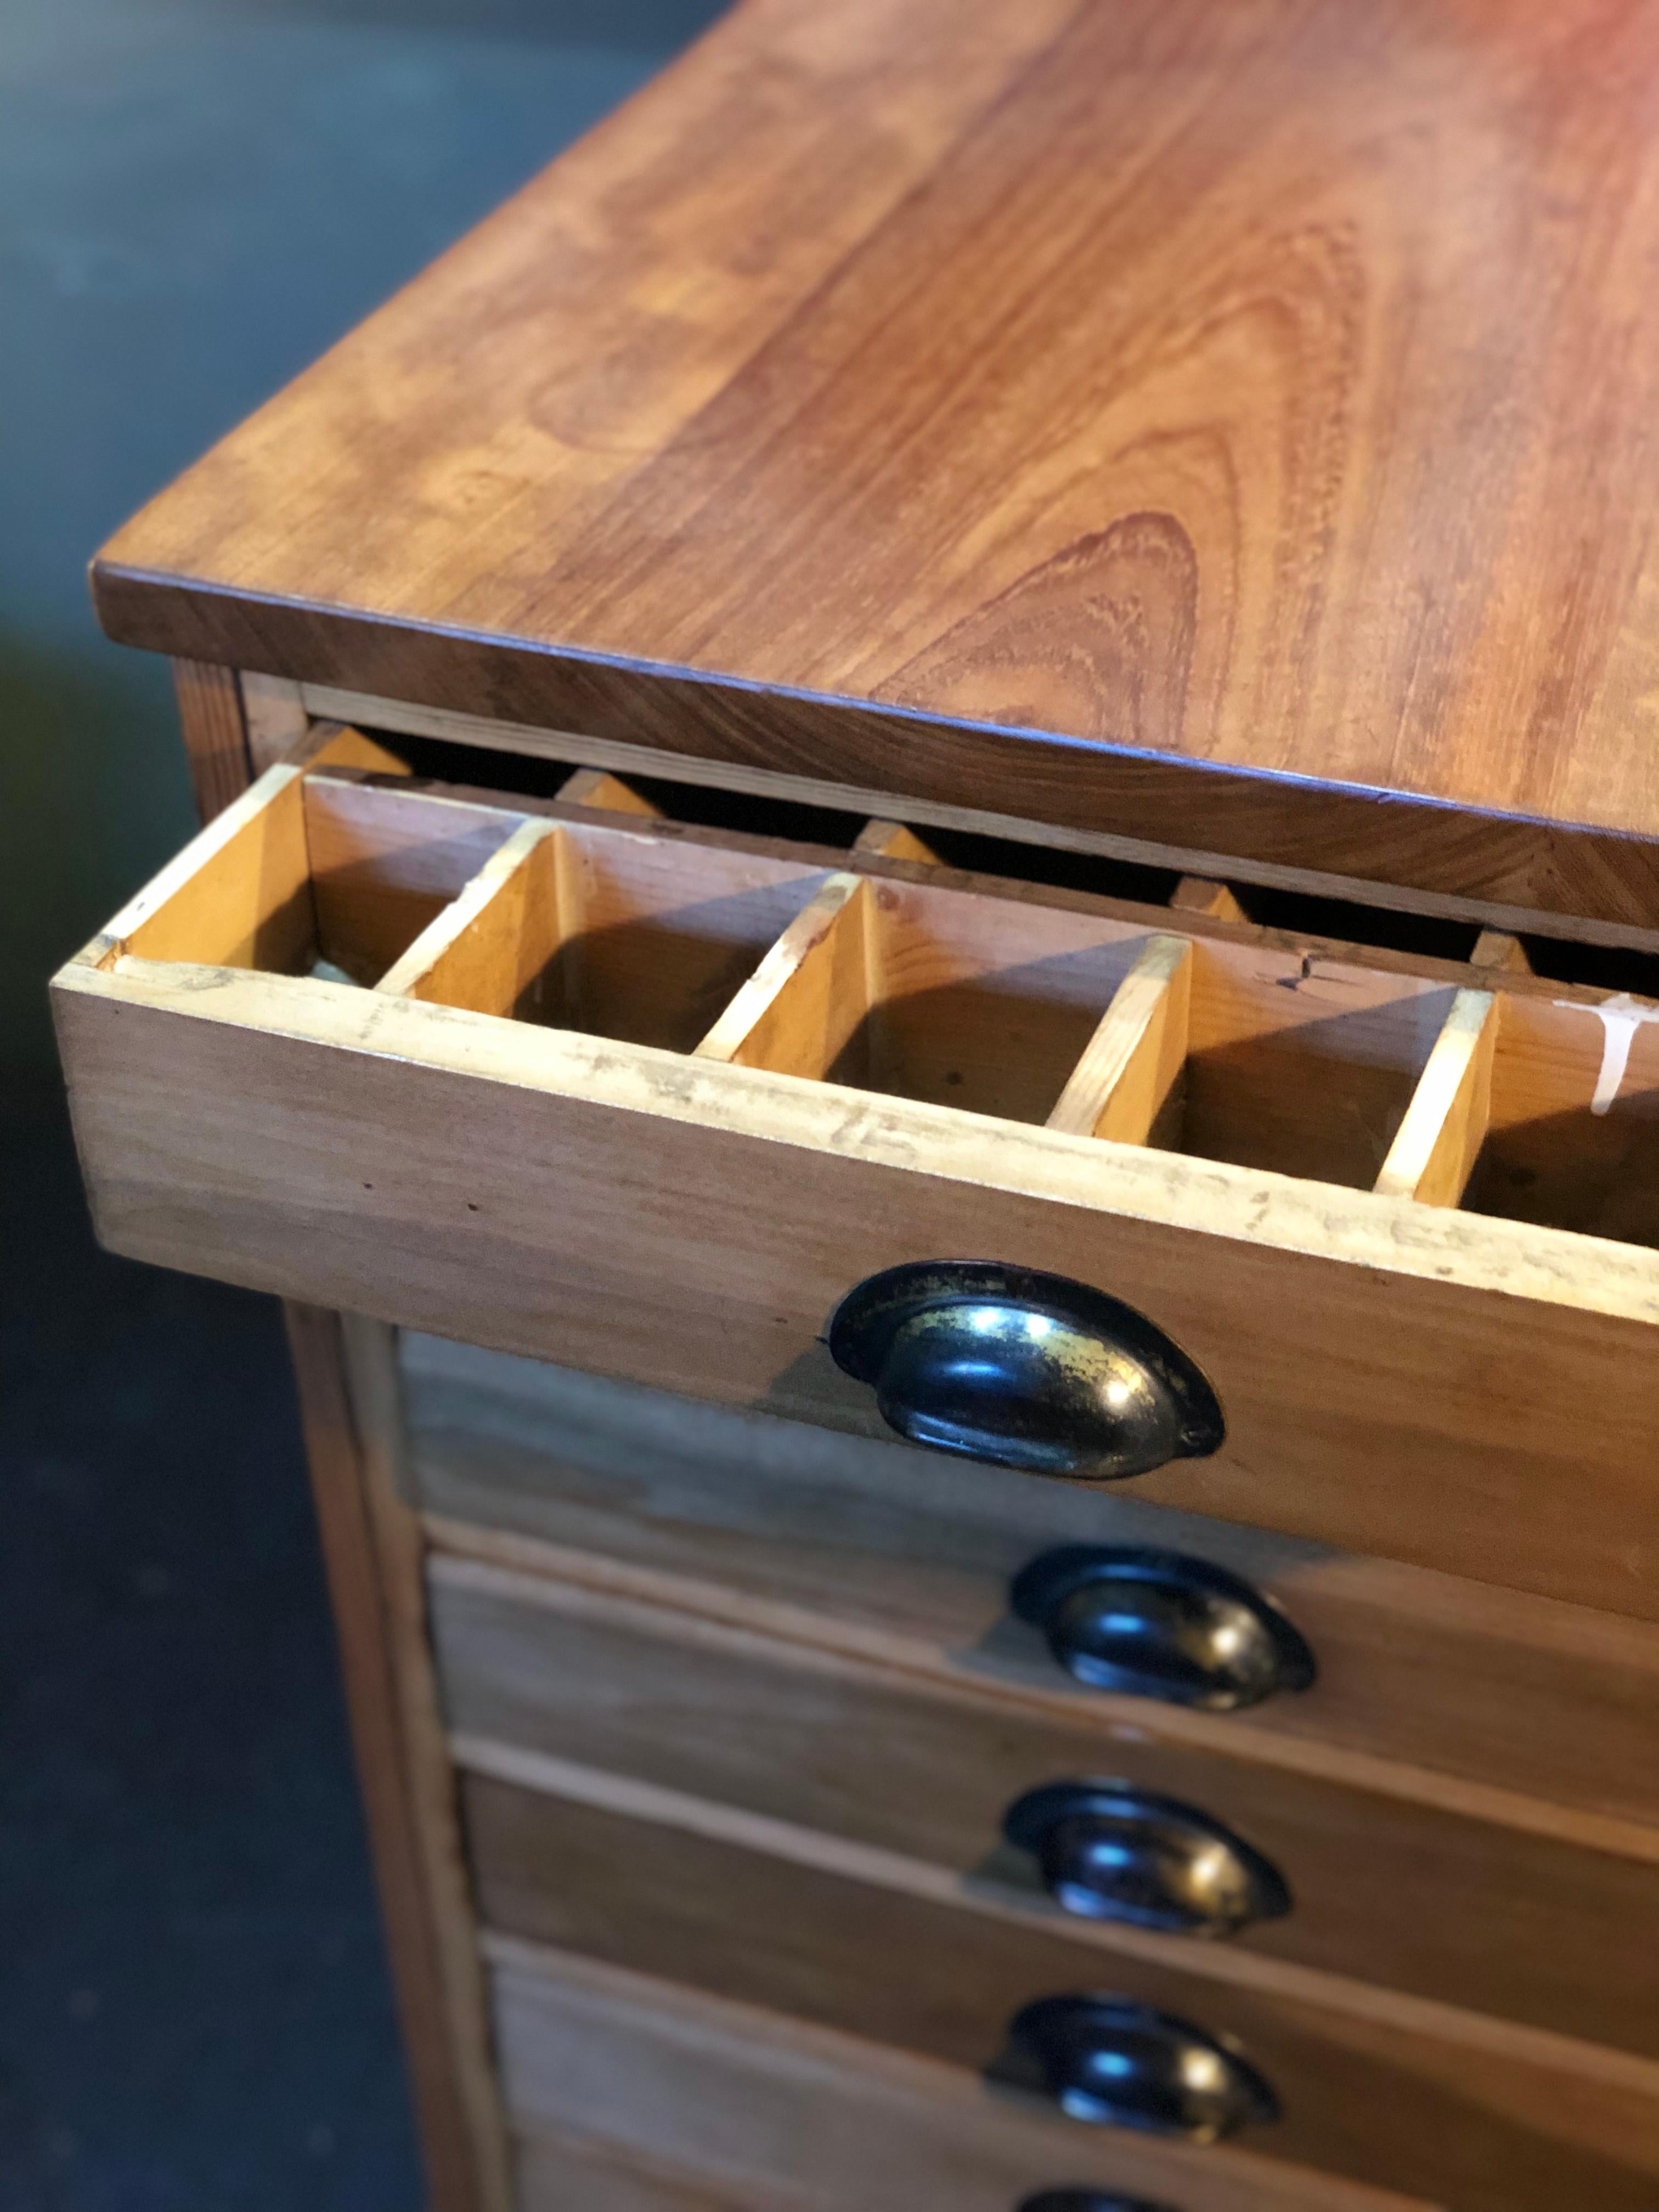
[(1485, 1087), (1127, 1084), (1435, 1148), (490, 947), (797, 1012)]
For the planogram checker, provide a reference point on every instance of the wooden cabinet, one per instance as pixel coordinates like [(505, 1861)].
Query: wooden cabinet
[(638, 2093), (928, 945), (594, 1099)]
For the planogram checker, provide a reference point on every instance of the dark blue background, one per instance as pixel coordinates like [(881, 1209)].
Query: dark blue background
[(196, 197)]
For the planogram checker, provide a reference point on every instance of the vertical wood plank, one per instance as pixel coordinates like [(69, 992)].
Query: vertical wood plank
[(491, 946), (1128, 1081), (374, 1584), (1433, 1152), (276, 717), (215, 734), (810, 993), (461, 2049)]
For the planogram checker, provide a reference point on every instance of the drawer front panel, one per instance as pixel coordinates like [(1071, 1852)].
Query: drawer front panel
[(517, 1137), (881, 1549), (1382, 1888), (632, 2095), (1480, 2119)]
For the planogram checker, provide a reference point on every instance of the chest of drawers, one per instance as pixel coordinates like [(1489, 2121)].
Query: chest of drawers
[(925, 944)]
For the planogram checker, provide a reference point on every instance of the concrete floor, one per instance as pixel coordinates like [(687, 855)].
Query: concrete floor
[(196, 196)]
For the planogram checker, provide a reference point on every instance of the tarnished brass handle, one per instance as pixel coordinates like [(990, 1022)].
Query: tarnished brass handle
[(1116, 2063), (1110, 1851), (1026, 1369), (1149, 1624)]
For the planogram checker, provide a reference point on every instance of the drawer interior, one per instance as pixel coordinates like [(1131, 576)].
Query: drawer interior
[(875, 967)]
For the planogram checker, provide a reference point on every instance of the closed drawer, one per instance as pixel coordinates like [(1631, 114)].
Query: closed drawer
[(1385, 1888), (883, 1551), (631, 2095), (1476, 2115), (660, 1105)]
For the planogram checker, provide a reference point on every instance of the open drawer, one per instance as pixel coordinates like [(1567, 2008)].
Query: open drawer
[(652, 1101)]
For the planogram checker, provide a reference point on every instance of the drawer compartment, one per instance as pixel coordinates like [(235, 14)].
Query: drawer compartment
[(879, 1551), (1431, 2103), (630, 2095), (1381, 1887), (506, 1139)]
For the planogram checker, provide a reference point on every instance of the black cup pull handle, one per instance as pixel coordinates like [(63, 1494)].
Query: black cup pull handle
[(1023, 1369), (1151, 1623), (1116, 2063), (1088, 2200), (1111, 1852)]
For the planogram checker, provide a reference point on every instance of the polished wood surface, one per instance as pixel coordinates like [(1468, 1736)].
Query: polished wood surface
[(623, 2086), (1429, 2101), (1041, 403), (1384, 1887)]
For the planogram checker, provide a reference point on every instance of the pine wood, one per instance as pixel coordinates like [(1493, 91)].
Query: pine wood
[(1542, 1929), (1437, 1144), (1200, 894), (1496, 948), (610, 794), (1126, 1082), (602, 2062), (1076, 373), (797, 1013), (875, 1551), (316, 1156), (1386, 2089), (490, 947)]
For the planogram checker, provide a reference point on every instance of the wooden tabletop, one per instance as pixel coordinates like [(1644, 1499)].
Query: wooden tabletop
[(1233, 422)]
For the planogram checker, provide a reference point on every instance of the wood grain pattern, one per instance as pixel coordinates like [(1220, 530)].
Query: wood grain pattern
[(1384, 1889), (385, 1596), (1418, 2099), (603, 2064), (877, 1551), (1160, 828), (216, 748), (1092, 404), (689, 1224), (455, 2097)]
